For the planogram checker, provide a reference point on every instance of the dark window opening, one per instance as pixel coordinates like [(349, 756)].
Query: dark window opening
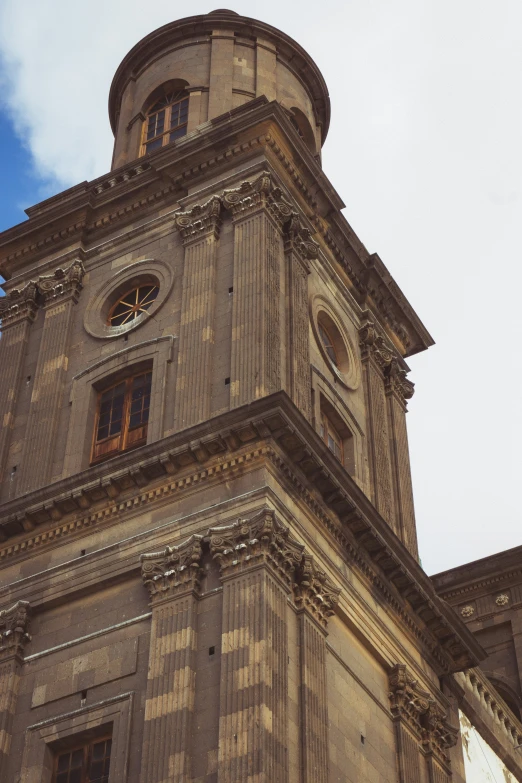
[(122, 416), (132, 304), (88, 763), (166, 121)]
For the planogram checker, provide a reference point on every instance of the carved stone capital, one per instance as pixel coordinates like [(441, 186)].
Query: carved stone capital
[(14, 624), (396, 381), (373, 345), (200, 221), (314, 591), (248, 197), (299, 239), (19, 305), (420, 712), (262, 540), (62, 284), (173, 571)]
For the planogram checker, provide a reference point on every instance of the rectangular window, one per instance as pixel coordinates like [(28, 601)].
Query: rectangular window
[(122, 416), (332, 438), (88, 763)]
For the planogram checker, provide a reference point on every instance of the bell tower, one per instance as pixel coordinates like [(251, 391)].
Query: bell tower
[(204, 467)]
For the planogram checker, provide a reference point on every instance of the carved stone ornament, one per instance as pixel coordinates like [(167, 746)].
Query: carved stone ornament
[(63, 283), (314, 591), (14, 623), (252, 542), (249, 196), (467, 611), (174, 570), (19, 304), (300, 239), (396, 381), (373, 345), (502, 599), (420, 712), (200, 221)]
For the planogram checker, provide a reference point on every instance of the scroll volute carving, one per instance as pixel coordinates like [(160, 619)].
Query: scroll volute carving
[(14, 626), (314, 591), (299, 239), (397, 382), (63, 283), (421, 712), (252, 542), (173, 571), (18, 304), (249, 196), (200, 221)]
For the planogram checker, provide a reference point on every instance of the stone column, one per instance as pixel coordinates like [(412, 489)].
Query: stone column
[(258, 211), (315, 597), (172, 578), (258, 560), (13, 637), (299, 247), (375, 356), (17, 311), (200, 231), (60, 292), (422, 732), (398, 390)]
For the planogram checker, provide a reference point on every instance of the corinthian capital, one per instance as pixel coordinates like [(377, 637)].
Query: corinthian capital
[(200, 221), (249, 196), (62, 284), (14, 624), (299, 238), (397, 381), (437, 734), (19, 304), (315, 591), (262, 540), (174, 570), (374, 346)]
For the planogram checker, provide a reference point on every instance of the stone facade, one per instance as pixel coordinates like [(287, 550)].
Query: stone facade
[(231, 600)]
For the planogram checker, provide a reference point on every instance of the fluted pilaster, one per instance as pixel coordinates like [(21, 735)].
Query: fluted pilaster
[(200, 231), (60, 291), (17, 311), (172, 578), (13, 637)]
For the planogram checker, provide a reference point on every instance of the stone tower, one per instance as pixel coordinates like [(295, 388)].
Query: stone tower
[(206, 511)]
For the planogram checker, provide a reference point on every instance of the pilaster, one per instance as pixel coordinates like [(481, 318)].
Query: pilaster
[(60, 293), (172, 578), (423, 733), (398, 390), (13, 637), (17, 312), (259, 212), (375, 356), (257, 559), (299, 249), (315, 597), (199, 229)]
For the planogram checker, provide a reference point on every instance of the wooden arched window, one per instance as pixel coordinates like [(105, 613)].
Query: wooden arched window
[(166, 120), (122, 416)]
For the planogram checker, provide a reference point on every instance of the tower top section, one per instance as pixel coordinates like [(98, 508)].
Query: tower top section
[(190, 71)]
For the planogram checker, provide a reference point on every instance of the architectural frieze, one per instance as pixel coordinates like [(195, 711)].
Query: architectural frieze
[(203, 220), (14, 626), (173, 571), (19, 305)]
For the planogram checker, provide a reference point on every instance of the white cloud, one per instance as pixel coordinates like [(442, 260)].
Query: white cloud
[(424, 148)]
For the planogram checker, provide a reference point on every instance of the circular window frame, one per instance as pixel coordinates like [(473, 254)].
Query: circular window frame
[(143, 272), (348, 371)]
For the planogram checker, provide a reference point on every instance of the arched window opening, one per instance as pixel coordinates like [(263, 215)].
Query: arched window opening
[(166, 120), (132, 304), (328, 344)]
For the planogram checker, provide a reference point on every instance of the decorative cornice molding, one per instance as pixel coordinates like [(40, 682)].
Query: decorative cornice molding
[(420, 712), (248, 543), (19, 305), (201, 221), (14, 624), (314, 591), (174, 571), (62, 284)]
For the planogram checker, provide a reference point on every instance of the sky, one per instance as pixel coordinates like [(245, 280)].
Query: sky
[(425, 150)]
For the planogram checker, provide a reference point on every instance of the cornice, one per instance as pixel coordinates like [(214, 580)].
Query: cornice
[(272, 429), (143, 186)]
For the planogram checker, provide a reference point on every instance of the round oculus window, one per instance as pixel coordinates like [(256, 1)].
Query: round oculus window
[(132, 304)]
